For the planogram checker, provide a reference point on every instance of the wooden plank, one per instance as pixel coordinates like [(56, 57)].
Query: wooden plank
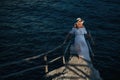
[(75, 69), (54, 60)]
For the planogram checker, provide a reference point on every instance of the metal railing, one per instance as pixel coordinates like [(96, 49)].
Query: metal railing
[(45, 55), (32, 58)]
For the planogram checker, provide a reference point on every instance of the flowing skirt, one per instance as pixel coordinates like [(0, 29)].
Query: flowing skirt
[(81, 47)]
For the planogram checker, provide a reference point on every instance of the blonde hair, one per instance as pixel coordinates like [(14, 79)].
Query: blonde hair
[(79, 19)]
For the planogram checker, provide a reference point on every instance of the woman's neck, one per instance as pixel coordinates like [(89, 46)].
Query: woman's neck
[(79, 26)]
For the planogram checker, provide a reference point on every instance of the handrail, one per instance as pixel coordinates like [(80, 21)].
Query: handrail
[(23, 71), (91, 51), (66, 50), (36, 67), (89, 45), (33, 57)]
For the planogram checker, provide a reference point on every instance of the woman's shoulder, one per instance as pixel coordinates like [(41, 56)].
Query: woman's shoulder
[(74, 28)]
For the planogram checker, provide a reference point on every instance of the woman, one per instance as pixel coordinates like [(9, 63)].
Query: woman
[(80, 43)]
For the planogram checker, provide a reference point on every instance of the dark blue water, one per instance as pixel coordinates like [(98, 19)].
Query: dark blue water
[(30, 27)]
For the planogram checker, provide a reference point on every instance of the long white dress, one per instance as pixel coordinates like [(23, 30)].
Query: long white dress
[(80, 44)]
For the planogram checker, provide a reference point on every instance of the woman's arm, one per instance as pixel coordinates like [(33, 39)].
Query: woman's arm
[(68, 37), (88, 36)]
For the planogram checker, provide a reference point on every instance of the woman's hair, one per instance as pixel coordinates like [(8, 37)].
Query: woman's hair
[(76, 24)]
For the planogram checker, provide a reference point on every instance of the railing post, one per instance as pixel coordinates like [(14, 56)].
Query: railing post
[(46, 64), (66, 51), (63, 59)]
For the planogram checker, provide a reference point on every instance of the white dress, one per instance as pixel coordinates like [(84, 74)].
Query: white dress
[(80, 44)]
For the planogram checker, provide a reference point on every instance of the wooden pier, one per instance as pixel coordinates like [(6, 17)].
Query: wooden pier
[(64, 66), (74, 69)]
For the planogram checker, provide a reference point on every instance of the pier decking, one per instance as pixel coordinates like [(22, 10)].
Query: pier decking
[(74, 69)]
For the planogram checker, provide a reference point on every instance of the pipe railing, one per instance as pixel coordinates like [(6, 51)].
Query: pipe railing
[(32, 58), (45, 59)]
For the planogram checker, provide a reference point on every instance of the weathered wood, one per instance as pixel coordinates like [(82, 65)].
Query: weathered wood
[(75, 69), (53, 60)]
